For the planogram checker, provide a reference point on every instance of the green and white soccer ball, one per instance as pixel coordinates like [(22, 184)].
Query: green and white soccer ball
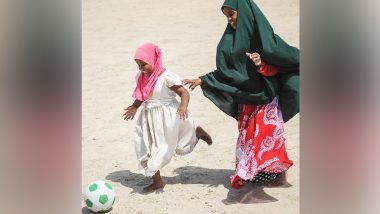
[(99, 196)]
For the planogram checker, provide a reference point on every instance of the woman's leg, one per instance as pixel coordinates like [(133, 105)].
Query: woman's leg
[(260, 153), (278, 181), (270, 179)]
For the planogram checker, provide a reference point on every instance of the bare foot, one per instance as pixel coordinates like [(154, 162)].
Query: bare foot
[(203, 135), (278, 181), (152, 187)]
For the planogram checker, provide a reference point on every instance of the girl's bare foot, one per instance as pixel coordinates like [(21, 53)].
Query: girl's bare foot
[(278, 181), (157, 183), (152, 187), (203, 135)]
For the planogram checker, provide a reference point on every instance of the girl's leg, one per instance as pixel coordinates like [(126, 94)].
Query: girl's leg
[(203, 135), (157, 183)]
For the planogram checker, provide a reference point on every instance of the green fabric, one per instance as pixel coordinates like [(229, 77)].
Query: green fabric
[(236, 80), (231, 4)]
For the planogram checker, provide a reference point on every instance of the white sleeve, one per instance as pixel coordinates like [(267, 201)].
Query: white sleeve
[(172, 79)]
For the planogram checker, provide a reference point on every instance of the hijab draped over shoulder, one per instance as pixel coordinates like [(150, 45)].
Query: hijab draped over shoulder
[(150, 54)]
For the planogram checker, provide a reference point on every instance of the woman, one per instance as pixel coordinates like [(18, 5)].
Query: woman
[(260, 103)]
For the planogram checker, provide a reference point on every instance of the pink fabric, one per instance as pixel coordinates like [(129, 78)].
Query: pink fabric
[(150, 54)]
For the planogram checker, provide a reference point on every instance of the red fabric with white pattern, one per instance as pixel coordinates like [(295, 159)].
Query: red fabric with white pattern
[(261, 143)]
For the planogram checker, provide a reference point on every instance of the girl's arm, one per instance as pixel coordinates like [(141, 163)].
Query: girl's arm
[(185, 97), (130, 111)]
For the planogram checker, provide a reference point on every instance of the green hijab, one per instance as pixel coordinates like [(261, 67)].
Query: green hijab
[(236, 80)]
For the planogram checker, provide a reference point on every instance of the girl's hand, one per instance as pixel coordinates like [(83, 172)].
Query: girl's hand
[(130, 113), (255, 57), (193, 82), (182, 112)]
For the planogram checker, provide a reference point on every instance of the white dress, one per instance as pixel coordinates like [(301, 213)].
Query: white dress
[(160, 133)]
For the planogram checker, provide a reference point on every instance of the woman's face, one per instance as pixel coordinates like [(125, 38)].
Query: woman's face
[(231, 16), (144, 67)]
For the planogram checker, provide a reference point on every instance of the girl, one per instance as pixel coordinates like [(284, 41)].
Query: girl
[(164, 127)]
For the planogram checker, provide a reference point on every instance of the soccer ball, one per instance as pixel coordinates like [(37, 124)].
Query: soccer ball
[(99, 196)]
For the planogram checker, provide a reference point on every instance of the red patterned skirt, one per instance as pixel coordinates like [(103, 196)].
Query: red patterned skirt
[(261, 144)]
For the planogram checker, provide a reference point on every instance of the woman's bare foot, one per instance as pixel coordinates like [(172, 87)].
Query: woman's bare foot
[(203, 135), (278, 181)]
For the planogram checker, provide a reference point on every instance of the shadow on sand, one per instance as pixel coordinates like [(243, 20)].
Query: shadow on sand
[(249, 194), (85, 210)]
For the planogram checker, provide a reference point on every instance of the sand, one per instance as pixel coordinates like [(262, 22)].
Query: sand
[(188, 33)]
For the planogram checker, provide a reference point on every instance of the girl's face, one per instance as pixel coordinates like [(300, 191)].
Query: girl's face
[(144, 67), (231, 16)]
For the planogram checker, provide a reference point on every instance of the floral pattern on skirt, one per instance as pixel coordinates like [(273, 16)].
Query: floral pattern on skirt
[(261, 143)]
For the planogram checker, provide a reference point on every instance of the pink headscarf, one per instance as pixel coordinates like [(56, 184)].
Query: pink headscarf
[(150, 54)]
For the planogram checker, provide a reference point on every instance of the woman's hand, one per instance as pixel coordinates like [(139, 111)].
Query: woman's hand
[(264, 69), (193, 82), (129, 112), (182, 112), (255, 57)]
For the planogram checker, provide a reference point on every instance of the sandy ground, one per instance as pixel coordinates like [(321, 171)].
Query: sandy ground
[(188, 33)]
